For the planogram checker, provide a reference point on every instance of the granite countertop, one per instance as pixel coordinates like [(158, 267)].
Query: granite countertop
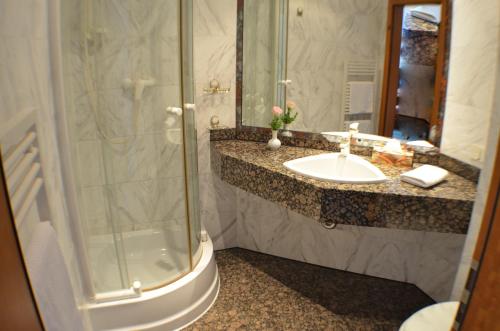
[(250, 166)]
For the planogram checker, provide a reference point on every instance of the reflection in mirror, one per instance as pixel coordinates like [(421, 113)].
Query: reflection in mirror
[(340, 62), (335, 58), (332, 47), (260, 60), (411, 104)]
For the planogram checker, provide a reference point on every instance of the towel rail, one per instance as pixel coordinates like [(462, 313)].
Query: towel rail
[(356, 71), (14, 156), (19, 137), (21, 169), (28, 202), (25, 186), (15, 128)]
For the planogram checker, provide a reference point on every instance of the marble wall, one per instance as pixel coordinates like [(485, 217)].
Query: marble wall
[(25, 82), (215, 58), (483, 189), (475, 47), (426, 259), (473, 104), (321, 41)]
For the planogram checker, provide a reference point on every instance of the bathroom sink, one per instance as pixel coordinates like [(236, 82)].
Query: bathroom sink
[(337, 135), (336, 167)]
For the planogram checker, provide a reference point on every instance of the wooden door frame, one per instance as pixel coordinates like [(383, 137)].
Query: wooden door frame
[(478, 310), (390, 82), (19, 310)]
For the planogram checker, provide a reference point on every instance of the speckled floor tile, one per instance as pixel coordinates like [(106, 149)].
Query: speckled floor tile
[(263, 292)]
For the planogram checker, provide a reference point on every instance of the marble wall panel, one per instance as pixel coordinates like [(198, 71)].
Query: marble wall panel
[(320, 42), (484, 181), (475, 48), (129, 159), (438, 264), (218, 211), (91, 163), (427, 259), (215, 58), (95, 210)]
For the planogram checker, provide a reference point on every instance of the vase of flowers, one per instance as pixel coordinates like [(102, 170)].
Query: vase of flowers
[(287, 118), (274, 143)]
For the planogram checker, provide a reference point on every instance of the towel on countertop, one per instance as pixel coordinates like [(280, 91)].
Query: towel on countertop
[(425, 176), (361, 97), (50, 281)]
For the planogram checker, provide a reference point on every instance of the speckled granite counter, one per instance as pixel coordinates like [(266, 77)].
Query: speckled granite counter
[(393, 204)]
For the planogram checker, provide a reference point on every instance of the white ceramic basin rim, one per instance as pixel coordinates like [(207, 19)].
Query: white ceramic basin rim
[(336, 167), (335, 136)]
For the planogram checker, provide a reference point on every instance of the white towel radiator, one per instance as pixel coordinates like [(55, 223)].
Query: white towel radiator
[(23, 170), (357, 71)]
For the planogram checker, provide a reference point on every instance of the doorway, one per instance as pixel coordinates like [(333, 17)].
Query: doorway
[(413, 73)]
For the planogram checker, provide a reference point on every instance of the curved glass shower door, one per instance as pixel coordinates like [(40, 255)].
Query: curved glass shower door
[(127, 68)]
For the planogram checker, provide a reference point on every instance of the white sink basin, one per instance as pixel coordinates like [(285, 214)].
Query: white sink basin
[(336, 136), (337, 168)]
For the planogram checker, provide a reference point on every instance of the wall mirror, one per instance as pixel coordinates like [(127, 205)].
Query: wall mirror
[(376, 62)]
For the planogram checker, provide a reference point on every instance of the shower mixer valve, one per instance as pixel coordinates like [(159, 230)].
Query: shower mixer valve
[(138, 85)]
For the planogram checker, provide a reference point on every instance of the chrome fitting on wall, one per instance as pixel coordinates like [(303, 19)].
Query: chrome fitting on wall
[(329, 224)]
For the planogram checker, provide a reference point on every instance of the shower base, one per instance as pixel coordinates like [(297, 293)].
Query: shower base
[(154, 257), (170, 307)]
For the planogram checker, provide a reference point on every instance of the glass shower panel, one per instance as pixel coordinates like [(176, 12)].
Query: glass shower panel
[(143, 153), (190, 132), (191, 151), (128, 73), (80, 44)]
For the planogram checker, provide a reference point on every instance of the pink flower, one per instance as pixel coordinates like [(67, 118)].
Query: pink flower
[(290, 104), (277, 111)]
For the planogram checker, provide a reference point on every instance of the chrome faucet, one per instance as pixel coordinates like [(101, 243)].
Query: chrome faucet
[(345, 145), (345, 141)]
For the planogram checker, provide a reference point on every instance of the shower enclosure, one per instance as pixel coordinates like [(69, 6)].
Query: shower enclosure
[(127, 70)]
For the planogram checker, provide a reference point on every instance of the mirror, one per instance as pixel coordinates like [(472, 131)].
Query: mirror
[(376, 62), (262, 61), (411, 91)]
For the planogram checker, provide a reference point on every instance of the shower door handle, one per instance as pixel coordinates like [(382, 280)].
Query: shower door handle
[(178, 111), (174, 110), (285, 82)]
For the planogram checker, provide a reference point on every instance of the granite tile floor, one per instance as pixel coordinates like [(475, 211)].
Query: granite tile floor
[(264, 292)]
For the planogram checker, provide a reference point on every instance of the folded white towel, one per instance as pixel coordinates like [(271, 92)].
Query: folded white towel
[(425, 176), (420, 143), (361, 97)]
